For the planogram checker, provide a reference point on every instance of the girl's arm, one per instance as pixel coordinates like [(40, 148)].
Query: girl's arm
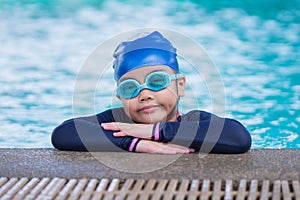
[(82, 134), (198, 130), (210, 133), (148, 146), (209, 136), (86, 134)]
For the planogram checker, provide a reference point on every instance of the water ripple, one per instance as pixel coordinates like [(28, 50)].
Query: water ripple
[(256, 51)]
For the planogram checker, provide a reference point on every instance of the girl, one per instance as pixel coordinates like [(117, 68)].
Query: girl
[(149, 86)]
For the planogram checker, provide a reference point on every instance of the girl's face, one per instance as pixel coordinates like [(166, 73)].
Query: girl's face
[(153, 106)]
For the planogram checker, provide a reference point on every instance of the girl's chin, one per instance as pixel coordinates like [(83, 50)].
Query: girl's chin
[(151, 119)]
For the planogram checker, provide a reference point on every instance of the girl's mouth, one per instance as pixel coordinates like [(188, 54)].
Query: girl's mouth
[(149, 109)]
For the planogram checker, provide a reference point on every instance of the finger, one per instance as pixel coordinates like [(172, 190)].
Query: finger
[(120, 134), (189, 150), (165, 151), (147, 146), (192, 150), (178, 146), (183, 147), (110, 126), (180, 149)]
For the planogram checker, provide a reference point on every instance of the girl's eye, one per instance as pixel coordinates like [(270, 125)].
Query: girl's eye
[(128, 87), (157, 80)]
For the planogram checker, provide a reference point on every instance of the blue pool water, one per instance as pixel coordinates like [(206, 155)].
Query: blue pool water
[(254, 44)]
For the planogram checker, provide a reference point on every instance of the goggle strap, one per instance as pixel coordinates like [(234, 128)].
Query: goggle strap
[(175, 76)]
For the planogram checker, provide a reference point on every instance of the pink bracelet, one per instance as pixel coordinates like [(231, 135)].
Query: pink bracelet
[(156, 132), (179, 113), (133, 143)]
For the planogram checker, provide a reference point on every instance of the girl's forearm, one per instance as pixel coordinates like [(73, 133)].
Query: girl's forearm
[(85, 134), (210, 136)]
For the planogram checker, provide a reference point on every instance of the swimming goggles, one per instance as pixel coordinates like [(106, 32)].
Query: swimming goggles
[(155, 81)]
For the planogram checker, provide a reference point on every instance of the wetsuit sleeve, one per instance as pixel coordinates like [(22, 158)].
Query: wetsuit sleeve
[(85, 133), (207, 133)]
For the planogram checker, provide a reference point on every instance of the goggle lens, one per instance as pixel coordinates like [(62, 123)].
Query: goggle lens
[(157, 81)]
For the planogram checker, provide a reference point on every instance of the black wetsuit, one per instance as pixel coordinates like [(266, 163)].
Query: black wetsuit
[(200, 130)]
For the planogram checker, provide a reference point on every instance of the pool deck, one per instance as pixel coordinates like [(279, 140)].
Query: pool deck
[(266, 164)]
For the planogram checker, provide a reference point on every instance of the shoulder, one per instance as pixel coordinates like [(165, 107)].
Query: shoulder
[(196, 115)]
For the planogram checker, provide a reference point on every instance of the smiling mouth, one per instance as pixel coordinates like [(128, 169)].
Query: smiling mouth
[(149, 109)]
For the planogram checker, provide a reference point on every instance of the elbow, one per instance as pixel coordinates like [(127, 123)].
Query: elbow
[(235, 139), (246, 143), (67, 140), (242, 138), (57, 140)]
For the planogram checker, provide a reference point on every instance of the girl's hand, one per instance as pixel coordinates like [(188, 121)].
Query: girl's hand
[(147, 146), (125, 129)]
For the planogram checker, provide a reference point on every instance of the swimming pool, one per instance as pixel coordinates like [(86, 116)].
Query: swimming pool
[(255, 46)]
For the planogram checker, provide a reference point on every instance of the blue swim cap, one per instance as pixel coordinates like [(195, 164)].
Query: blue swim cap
[(145, 50)]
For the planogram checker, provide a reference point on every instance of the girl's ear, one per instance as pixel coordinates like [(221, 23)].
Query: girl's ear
[(181, 84)]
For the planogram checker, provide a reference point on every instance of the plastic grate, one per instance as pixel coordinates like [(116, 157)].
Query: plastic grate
[(59, 188)]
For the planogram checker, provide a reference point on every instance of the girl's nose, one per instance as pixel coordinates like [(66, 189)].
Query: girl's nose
[(145, 95)]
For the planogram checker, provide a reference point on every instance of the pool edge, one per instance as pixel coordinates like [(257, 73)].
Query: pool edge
[(260, 164)]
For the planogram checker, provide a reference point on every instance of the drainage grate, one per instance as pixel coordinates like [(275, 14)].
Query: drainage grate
[(58, 188)]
